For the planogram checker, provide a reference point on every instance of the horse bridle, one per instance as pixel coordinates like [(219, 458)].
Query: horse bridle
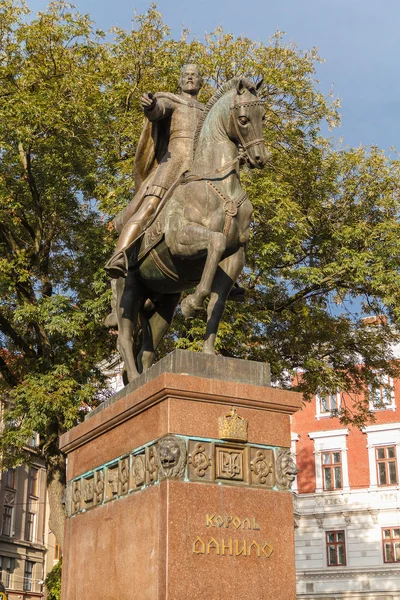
[(190, 177), (245, 145)]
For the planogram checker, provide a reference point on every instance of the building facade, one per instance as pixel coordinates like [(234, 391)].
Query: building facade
[(28, 549), (347, 499)]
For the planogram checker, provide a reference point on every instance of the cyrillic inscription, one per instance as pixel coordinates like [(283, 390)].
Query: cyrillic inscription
[(232, 547), (229, 546), (231, 521)]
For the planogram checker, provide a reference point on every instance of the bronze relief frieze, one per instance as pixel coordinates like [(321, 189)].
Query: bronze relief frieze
[(193, 460)]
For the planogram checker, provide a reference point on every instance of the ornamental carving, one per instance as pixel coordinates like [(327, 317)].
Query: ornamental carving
[(123, 475), (374, 514), (200, 460), (99, 486), (151, 464), (213, 461), (9, 498), (76, 496), (230, 463), (88, 491), (138, 470), (262, 467), (320, 520), (347, 518), (171, 457), (233, 427), (112, 483), (286, 469)]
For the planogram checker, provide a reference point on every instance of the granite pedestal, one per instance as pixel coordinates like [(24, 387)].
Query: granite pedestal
[(168, 495)]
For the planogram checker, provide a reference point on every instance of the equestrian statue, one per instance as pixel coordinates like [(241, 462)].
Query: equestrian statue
[(188, 223)]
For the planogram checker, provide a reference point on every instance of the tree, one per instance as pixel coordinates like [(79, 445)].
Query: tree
[(325, 228), (52, 238)]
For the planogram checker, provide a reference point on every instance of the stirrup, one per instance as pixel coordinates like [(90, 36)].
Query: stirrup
[(117, 266)]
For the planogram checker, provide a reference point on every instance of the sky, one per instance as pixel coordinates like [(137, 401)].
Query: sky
[(357, 38)]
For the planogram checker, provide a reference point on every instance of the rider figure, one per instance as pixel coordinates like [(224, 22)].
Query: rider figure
[(164, 152)]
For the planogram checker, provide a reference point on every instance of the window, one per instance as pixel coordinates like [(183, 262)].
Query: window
[(391, 544), (33, 441), (381, 396), (7, 520), (386, 465), (327, 404), (335, 548), (332, 470), (6, 569), (9, 478), (28, 575), (34, 482), (30, 526)]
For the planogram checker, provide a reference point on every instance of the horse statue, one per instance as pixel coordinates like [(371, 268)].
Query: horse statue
[(198, 238)]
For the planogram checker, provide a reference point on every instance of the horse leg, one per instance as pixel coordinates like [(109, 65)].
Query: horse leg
[(192, 240), (129, 301), (228, 271), (155, 327)]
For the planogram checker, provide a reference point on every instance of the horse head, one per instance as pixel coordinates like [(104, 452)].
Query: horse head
[(245, 127)]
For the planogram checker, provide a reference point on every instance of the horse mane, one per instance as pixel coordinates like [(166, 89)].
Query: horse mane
[(221, 91)]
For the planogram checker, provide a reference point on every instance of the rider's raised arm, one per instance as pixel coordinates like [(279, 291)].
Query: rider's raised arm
[(157, 108)]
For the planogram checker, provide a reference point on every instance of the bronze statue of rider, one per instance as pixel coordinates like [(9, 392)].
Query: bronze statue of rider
[(164, 153)]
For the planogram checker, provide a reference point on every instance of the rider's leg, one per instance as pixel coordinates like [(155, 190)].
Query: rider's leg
[(117, 266)]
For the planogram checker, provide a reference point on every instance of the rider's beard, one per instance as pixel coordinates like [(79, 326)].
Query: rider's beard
[(190, 87)]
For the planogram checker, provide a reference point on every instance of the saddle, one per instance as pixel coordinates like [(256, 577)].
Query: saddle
[(153, 234), (155, 231)]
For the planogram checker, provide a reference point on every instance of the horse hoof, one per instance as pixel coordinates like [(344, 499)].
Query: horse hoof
[(188, 308), (209, 351), (111, 320)]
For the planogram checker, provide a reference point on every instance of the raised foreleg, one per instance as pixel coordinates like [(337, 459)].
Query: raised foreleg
[(227, 273), (192, 240)]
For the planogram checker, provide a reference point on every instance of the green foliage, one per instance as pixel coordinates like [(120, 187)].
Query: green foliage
[(325, 229), (53, 582), (52, 237)]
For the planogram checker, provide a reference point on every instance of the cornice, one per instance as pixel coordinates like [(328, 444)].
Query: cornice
[(347, 574)]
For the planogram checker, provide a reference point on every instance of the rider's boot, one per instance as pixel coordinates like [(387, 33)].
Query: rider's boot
[(117, 266)]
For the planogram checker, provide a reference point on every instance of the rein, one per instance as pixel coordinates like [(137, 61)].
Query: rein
[(230, 206), (189, 177), (254, 142)]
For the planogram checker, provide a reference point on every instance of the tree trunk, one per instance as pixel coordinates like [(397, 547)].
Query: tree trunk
[(56, 488)]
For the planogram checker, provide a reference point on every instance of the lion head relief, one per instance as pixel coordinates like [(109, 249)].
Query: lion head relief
[(286, 469), (171, 457)]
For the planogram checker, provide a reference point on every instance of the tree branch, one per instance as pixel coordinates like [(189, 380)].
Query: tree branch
[(9, 331), (8, 238), (25, 158), (8, 376), (307, 292)]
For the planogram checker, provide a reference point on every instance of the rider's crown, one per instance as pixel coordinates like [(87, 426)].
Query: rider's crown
[(233, 427)]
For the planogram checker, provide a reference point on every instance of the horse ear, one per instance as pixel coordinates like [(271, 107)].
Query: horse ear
[(259, 84), (240, 87)]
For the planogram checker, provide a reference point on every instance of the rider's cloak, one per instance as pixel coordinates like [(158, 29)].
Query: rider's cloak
[(152, 147)]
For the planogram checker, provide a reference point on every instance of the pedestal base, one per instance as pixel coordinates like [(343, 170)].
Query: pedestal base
[(160, 507)]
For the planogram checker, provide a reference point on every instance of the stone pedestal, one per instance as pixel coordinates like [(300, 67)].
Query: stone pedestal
[(168, 495)]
